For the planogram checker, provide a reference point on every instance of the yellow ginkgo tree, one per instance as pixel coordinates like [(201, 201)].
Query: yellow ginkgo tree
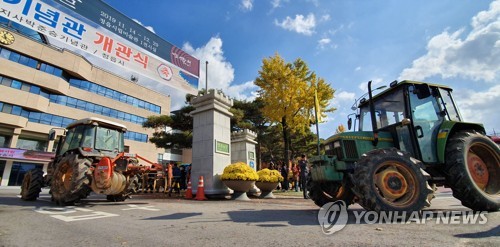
[(287, 90), (340, 129)]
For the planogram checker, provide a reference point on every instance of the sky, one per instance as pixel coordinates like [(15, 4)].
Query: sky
[(346, 42)]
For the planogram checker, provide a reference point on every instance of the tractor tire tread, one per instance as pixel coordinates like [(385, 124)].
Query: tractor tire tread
[(34, 185), (457, 174), (363, 181)]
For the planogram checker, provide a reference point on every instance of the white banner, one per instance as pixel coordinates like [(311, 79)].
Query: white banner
[(52, 19)]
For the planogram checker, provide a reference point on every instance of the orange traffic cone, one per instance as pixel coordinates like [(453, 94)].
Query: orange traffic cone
[(200, 193), (189, 191)]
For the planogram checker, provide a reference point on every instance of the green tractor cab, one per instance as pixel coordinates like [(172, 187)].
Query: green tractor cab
[(410, 138)]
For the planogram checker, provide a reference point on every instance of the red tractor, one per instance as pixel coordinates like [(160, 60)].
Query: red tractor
[(90, 157)]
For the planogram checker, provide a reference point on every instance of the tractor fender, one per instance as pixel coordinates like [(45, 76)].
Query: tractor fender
[(448, 129)]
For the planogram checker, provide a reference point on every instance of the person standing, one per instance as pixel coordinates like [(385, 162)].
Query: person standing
[(176, 174), (284, 173), (169, 175), (296, 176), (183, 177), (304, 171)]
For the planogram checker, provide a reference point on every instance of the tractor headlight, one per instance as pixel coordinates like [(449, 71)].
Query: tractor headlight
[(336, 144)]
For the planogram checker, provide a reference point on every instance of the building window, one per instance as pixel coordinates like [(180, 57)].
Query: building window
[(134, 136), (9, 82), (160, 158), (6, 81), (37, 117), (18, 171), (98, 109), (30, 144), (4, 142), (67, 101), (7, 108), (16, 84), (32, 63), (113, 94)]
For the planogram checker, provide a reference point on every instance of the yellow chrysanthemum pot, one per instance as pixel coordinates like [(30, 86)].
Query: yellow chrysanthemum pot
[(239, 177), (267, 182)]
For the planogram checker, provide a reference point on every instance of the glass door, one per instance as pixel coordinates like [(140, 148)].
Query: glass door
[(426, 121)]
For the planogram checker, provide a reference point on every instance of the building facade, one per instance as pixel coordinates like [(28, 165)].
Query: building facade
[(43, 87)]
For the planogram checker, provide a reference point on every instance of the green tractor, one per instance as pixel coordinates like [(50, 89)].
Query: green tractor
[(410, 139)]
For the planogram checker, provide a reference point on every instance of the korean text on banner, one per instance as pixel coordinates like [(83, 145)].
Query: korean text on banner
[(179, 71)]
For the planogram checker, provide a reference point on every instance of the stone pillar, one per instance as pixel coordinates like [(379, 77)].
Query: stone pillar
[(211, 141), (243, 147)]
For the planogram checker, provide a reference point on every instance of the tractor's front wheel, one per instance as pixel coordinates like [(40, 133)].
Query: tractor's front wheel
[(70, 182), (473, 170), (32, 185), (391, 180), (322, 193)]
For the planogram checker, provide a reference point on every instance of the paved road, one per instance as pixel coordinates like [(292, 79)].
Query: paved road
[(153, 220)]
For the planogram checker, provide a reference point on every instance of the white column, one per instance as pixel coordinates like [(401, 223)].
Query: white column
[(211, 141), (6, 173), (243, 147)]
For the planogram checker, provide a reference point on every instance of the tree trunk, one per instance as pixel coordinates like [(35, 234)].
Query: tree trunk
[(286, 140), (258, 156), (286, 155)]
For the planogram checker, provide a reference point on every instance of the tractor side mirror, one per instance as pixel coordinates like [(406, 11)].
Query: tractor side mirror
[(422, 91), (349, 123)]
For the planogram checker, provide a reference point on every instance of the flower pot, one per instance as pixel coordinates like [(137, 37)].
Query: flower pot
[(267, 189), (240, 188)]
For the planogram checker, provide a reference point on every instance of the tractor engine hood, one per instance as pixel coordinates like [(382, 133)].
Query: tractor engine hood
[(349, 146)]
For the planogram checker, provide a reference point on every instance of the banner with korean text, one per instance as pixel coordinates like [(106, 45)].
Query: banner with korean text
[(94, 27)]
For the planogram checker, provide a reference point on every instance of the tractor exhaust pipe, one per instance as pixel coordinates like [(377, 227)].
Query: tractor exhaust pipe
[(372, 115)]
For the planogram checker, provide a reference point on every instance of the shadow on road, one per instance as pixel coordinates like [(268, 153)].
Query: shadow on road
[(273, 217), (493, 232), (176, 216), (15, 201)]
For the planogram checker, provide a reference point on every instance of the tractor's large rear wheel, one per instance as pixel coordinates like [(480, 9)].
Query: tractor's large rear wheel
[(32, 185), (473, 170), (391, 180), (70, 182), (325, 192)]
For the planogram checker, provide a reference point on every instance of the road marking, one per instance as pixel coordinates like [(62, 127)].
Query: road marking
[(60, 213), (55, 210), (84, 209), (148, 208), (92, 216)]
